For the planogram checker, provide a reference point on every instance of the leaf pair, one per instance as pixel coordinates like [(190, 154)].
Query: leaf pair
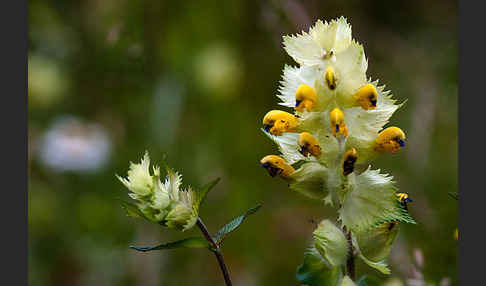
[(200, 242), (193, 242)]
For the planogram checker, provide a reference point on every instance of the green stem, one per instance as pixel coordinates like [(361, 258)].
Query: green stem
[(350, 266), (216, 250)]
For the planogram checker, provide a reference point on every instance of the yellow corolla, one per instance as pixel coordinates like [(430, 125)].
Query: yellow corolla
[(390, 140), (276, 122), (330, 78), (308, 144), (276, 165), (305, 97), (404, 198), (367, 96), (350, 157), (337, 123)]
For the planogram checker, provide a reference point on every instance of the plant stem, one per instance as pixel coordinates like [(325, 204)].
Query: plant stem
[(216, 250), (350, 269)]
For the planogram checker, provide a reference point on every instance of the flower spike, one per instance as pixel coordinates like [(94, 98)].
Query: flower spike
[(367, 96), (309, 145), (275, 165), (350, 157), (390, 140), (337, 123), (330, 78), (305, 97)]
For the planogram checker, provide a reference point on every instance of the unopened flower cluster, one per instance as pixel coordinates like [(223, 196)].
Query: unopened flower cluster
[(333, 128), (161, 202)]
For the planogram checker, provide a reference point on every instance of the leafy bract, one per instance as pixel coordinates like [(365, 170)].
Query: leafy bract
[(192, 242), (371, 201), (233, 225)]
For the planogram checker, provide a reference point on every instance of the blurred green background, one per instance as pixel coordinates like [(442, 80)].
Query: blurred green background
[(109, 79)]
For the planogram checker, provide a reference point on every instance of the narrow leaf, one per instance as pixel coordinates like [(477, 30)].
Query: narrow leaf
[(201, 195), (131, 209), (233, 225), (454, 195), (192, 242)]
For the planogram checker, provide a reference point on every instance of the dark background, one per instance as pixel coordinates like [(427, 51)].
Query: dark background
[(192, 79)]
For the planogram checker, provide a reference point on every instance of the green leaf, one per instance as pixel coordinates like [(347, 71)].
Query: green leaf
[(131, 209), (201, 195), (192, 242), (316, 272), (233, 225), (367, 280)]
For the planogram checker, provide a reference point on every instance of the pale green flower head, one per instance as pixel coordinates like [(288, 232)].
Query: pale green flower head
[(162, 202)]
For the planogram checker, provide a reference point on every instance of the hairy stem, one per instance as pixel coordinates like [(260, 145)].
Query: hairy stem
[(350, 269), (216, 250)]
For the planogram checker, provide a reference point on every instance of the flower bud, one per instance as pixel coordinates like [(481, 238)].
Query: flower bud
[(276, 165), (337, 123), (331, 243), (305, 97), (390, 140), (367, 96), (308, 144), (276, 122), (350, 158), (184, 213), (330, 78)]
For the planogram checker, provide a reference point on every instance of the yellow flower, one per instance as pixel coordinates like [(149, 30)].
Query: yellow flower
[(305, 97), (337, 123), (390, 140), (367, 96), (276, 122), (308, 144), (275, 165)]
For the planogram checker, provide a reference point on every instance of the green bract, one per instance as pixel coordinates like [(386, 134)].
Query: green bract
[(331, 243)]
